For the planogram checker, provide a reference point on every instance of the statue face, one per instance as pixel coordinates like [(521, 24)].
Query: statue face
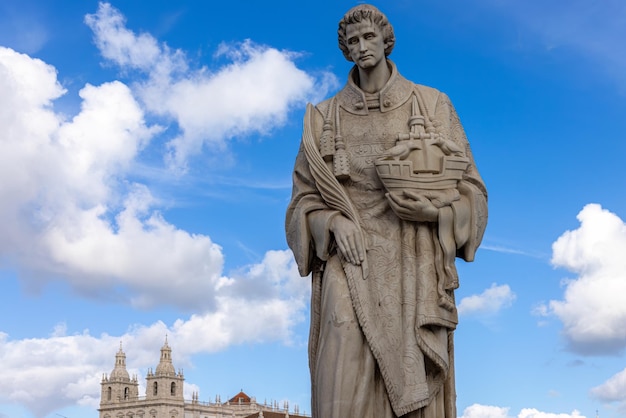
[(366, 44)]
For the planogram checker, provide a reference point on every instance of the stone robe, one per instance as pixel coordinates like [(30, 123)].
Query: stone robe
[(381, 339)]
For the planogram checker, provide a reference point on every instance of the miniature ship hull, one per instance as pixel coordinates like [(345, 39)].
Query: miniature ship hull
[(398, 175)]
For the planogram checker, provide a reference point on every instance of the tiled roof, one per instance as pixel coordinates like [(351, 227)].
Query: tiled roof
[(241, 396)]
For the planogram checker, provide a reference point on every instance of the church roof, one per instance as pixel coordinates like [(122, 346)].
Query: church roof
[(240, 396)]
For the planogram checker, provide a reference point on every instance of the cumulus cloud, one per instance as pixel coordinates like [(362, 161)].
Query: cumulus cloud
[(123, 46), (148, 257), (489, 302), (262, 304), (613, 390), (252, 93), (71, 211), (36, 371), (487, 411), (593, 310), (534, 413)]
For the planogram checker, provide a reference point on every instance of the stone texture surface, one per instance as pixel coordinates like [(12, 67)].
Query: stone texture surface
[(385, 196)]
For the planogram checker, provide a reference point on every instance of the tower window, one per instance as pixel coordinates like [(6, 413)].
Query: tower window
[(173, 389), (125, 393), (109, 393), (156, 388)]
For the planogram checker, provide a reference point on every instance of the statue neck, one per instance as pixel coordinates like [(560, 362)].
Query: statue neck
[(372, 80)]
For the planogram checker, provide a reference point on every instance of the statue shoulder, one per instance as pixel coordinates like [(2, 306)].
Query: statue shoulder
[(436, 101), (430, 94), (315, 116), (322, 107)]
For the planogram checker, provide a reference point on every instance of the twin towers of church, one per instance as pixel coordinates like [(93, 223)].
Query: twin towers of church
[(164, 396), (162, 384)]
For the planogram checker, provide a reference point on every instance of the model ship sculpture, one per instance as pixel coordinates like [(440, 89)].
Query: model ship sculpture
[(423, 159)]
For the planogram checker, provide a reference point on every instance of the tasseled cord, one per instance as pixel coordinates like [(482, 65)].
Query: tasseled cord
[(327, 141), (341, 162)]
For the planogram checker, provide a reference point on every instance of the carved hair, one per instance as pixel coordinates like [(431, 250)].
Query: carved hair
[(371, 13)]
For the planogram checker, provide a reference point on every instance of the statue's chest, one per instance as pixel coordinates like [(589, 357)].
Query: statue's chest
[(367, 137)]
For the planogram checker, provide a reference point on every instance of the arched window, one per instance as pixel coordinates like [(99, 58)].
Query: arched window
[(173, 389), (156, 388), (126, 393), (109, 393)]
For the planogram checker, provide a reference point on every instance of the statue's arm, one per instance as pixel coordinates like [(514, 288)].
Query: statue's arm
[(470, 211), (309, 219)]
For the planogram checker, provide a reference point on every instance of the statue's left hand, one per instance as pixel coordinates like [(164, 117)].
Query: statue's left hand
[(412, 206)]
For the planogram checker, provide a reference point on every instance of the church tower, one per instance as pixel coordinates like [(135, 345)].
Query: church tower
[(165, 384), (164, 396), (118, 387)]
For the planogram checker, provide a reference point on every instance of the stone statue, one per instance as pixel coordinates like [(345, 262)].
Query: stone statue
[(385, 196)]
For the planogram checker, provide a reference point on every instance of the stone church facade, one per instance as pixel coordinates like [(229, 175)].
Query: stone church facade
[(164, 396)]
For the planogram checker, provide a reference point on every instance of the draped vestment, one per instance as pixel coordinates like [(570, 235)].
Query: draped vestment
[(381, 337)]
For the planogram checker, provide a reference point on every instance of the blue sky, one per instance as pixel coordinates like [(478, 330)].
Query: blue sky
[(146, 152)]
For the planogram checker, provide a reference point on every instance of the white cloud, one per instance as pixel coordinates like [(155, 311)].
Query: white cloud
[(37, 373), (613, 390), (121, 45), (533, 413), (70, 210), (593, 310), (49, 373), (149, 257), (262, 304), (486, 411), (489, 302), (253, 93)]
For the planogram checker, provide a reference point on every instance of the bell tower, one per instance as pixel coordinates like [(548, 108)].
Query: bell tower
[(118, 387), (165, 383)]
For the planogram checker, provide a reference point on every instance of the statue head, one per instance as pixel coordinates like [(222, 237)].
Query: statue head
[(371, 13)]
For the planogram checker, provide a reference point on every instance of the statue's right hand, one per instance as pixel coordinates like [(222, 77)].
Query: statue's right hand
[(349, 239)]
